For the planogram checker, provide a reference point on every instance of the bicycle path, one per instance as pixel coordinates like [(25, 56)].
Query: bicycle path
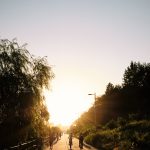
[(62, 144)]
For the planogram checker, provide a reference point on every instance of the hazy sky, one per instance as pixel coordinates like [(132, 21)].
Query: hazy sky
[(88, 42)]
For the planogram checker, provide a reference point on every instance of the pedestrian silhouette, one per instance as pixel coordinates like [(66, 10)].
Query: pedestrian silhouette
[(51, 139), (70, 140), (81, 138)]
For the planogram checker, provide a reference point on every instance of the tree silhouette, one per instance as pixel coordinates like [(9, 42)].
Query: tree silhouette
[(22, 79), (122, 113), (132, 97)]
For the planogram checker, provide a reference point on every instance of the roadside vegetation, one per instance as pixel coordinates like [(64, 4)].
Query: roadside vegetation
[(23, 77), (122, 113), (132, 135)]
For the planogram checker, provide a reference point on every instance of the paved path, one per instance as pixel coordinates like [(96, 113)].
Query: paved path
[(62, 144)]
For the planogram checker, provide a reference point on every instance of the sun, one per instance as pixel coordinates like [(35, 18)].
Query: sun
[(66, 104)]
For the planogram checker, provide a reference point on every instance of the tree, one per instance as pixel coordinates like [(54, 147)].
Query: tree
[(137, 75), (136, 82), (109, 89), (22, 79)]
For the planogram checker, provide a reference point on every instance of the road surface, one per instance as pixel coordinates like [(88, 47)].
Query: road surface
[(62, 144)]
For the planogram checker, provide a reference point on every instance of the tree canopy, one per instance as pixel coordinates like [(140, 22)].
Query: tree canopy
[(23, 77), (132, 97)]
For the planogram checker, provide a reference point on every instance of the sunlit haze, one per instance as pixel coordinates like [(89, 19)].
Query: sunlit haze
[(66, 103), (88, 43)]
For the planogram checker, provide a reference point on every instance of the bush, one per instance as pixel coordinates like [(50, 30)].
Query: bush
[(103, 139), (94, 140), (121, 122), (111, 124)]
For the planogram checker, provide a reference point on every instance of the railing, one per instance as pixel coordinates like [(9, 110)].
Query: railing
[(35, 144)]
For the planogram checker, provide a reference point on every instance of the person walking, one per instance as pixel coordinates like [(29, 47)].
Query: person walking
[(51, 139), (81, 138), (70, 140)]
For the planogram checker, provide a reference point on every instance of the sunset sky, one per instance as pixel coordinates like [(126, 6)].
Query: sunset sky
[(89, 43)]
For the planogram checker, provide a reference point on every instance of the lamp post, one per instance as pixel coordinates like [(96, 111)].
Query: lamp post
[(95, 119)]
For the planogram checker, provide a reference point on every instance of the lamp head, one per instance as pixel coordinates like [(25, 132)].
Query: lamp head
[(90, 94)]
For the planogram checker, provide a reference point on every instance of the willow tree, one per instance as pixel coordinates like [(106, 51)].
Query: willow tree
[(23, 77)]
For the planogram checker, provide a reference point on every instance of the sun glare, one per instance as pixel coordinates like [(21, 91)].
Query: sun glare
[(66, 105)]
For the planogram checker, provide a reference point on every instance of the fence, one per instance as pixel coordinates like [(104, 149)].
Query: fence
[(35, 144)]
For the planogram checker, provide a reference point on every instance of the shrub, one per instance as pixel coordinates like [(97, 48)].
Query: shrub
[(111, 124)]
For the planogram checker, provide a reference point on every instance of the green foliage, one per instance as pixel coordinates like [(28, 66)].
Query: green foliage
[(121, 122), (136, 134), (130, 98), (94, 139), (109, 89), (132, 134), (103, 139), (137, 75), (123, 112), (23, 77), (111, 124)]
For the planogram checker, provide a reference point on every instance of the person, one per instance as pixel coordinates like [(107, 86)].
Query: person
[(57, 136), (81, 138), (60, 134), (70, 140), (51, 139)]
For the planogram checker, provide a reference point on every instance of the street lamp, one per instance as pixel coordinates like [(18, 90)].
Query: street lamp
[(94, 107)]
